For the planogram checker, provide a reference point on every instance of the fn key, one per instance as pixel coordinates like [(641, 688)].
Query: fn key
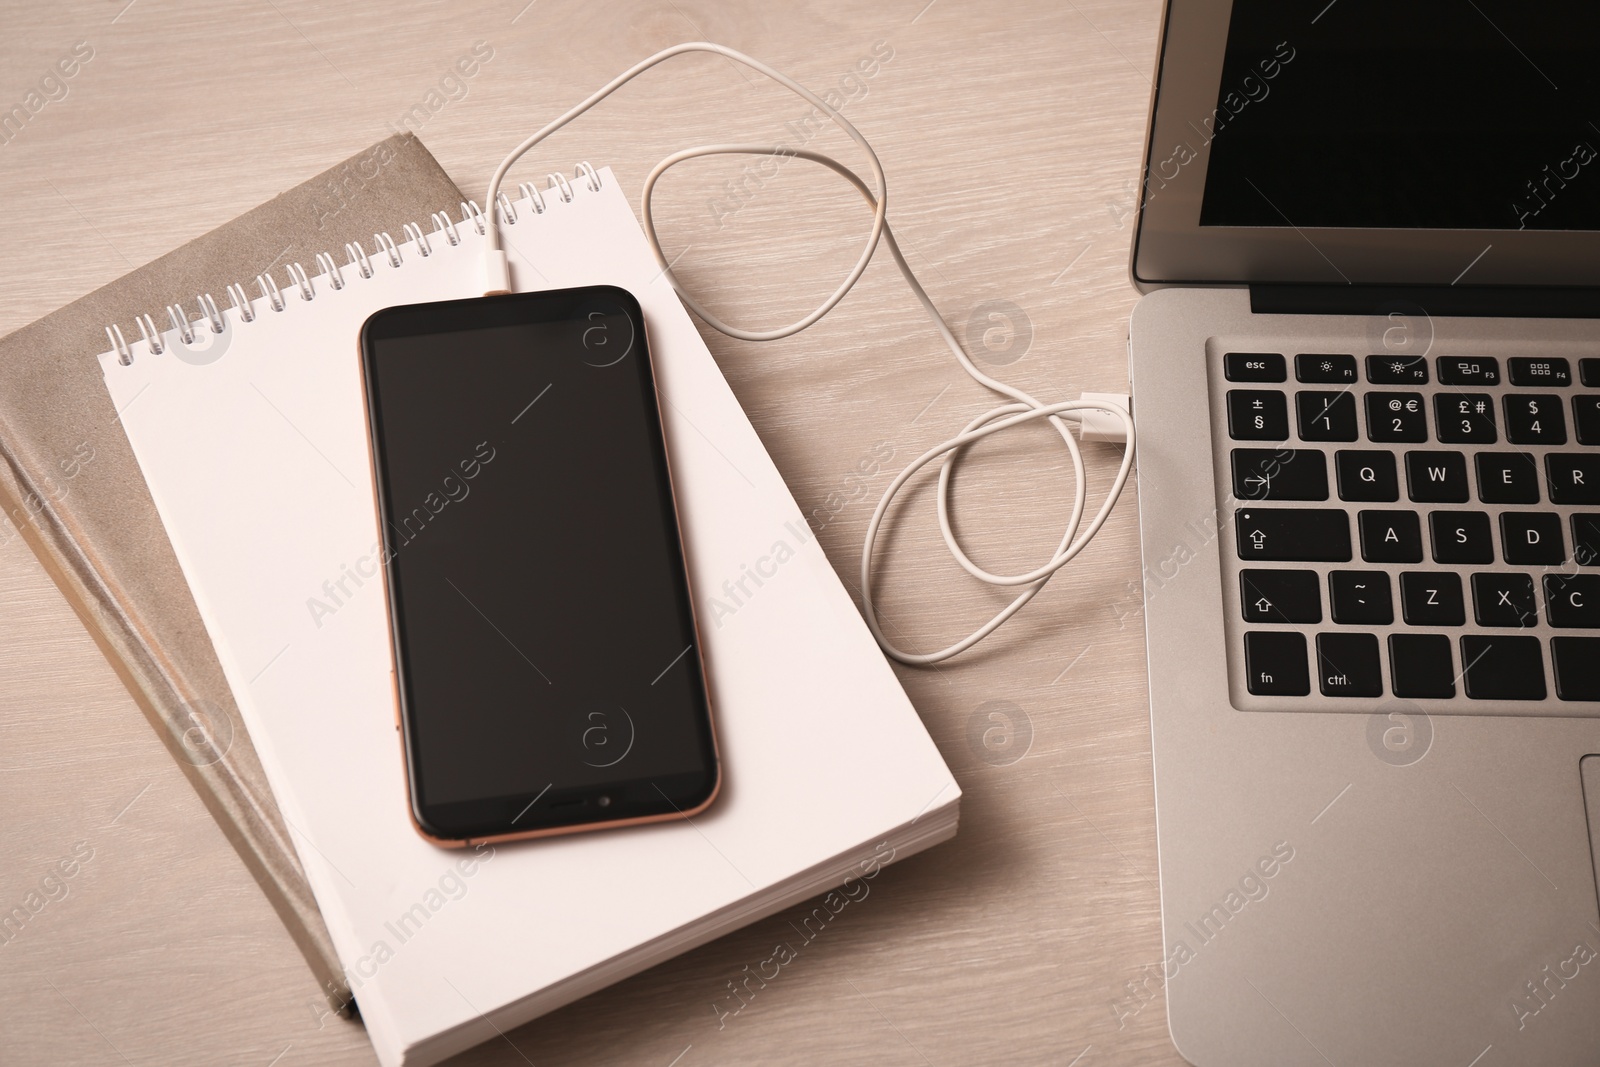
[(1275, 664)]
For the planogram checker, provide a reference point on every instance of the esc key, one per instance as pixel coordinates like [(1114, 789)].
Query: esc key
[(1254, 367)]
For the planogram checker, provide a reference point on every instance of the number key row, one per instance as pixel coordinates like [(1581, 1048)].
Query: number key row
[(1401, 417)]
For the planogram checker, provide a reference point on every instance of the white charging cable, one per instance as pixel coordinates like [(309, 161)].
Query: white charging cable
[(1101, 416)]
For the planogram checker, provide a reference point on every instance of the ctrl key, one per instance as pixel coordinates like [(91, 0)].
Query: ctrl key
[(1275, 664), (1347, 665)]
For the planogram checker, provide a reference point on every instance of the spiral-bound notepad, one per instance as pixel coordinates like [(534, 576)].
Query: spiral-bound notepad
[(246, 417)]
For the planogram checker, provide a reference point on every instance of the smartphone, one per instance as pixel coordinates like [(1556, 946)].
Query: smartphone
[(548, 674)]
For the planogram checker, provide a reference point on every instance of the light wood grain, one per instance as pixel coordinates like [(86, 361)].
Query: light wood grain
[(1011, 134)]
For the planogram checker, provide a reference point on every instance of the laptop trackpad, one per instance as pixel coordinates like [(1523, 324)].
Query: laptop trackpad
[(1589, 767)]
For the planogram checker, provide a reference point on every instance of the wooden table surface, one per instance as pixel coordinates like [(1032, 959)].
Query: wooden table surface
[(1011, 133)]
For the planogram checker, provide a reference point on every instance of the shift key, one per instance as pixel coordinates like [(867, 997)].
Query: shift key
[(1310, 535)]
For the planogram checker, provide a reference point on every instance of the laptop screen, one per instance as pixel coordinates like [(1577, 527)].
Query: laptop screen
[(1405, 114)]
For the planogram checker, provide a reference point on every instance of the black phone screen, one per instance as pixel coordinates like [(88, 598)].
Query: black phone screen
[(545, 648)]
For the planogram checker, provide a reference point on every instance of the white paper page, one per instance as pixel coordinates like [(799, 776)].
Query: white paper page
[(258, 462)]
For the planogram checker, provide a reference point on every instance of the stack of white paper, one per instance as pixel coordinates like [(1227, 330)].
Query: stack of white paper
[(254, 445)]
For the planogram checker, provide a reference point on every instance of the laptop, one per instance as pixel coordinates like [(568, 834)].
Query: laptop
[(1366, 375)]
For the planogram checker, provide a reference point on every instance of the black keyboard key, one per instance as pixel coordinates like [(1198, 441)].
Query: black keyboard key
[(1317, 369), (1275, 664), (1586, 539), (1502, 667), (1293, 534), (1589, 372), (1465, 418), (1586, 418), (1367, 476), (1360, 598), (1253, 367), (1347, 665), (1390, 536), (1572, 601), (1326, 416), (1532, 538), (1543, 370), (1431, 598), (1504, 600), (1535, 419), (1437, 477), (1469, 370), (1508, 478), (1420, 666), (1461, 537), (1396, 417), (1280, 596), (1577, 667), (1257, 415), (1574, 478), (1397, 370), (1279, 474)]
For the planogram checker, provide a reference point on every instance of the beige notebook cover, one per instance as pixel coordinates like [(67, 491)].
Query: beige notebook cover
[(71, 485)]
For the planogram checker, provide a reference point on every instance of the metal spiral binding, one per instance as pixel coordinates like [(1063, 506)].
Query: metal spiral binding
[(358, 259), (209, 312), (442, 224), (508, 214), (297, 275), (180, 322), (330, 269), (118, 345), (152, 336), (413, 232), (240, 302), (384, 243), (243, 308), (269, 291)]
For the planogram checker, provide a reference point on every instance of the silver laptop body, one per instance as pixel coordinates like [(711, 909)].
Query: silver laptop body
[(1374, 682)]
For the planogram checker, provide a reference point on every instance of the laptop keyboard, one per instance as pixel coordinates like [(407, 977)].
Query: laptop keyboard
[(1426, 528)]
